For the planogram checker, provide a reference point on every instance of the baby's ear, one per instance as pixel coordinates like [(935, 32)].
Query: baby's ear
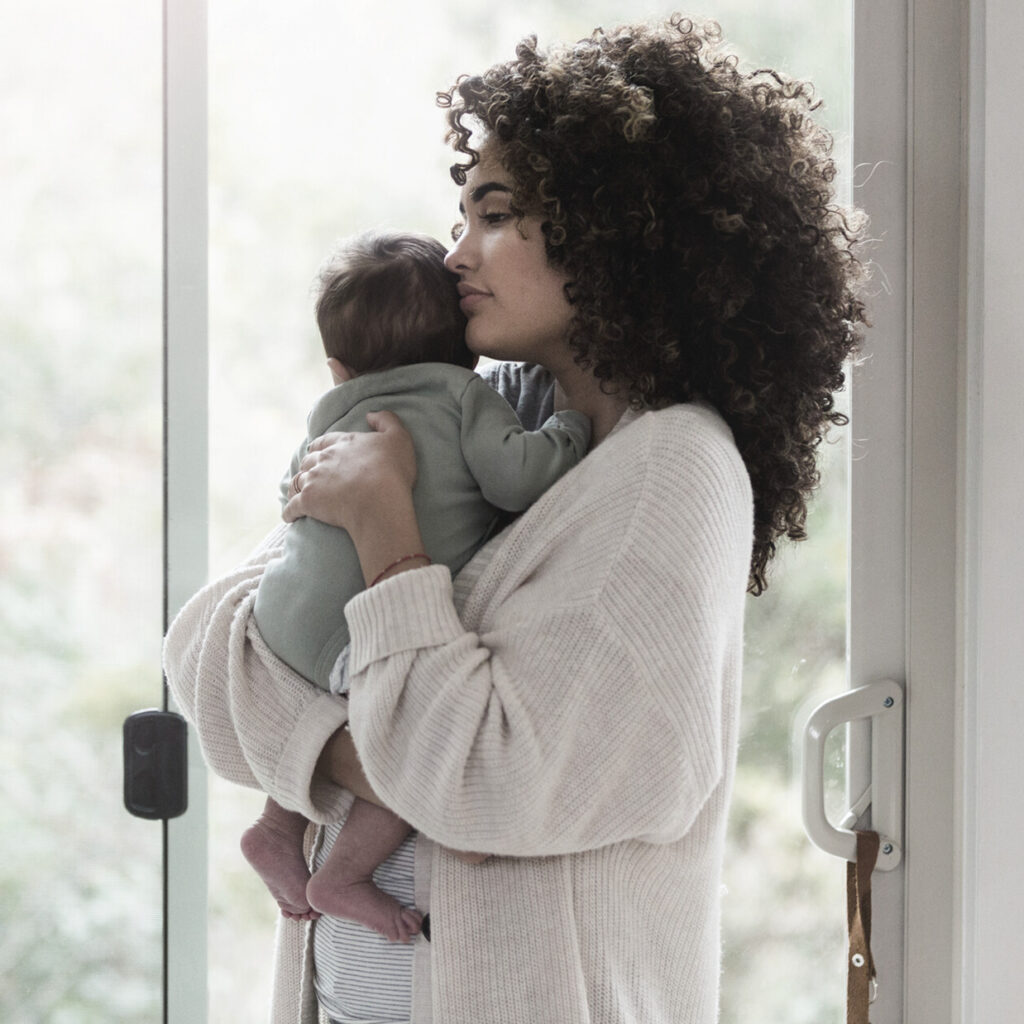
[(339, 371)]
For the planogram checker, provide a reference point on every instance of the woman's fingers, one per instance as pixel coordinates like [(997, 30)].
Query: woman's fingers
[(341, 474), (293, 507), (318, 444)]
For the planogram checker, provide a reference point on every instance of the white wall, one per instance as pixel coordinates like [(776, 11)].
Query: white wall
[(992, 511)]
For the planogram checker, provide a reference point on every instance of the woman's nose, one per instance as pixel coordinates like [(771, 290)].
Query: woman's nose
[(457, 259)]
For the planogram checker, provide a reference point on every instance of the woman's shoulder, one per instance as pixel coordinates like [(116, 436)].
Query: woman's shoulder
[(657, 474), (685, 476), (690, 499), (676, 443)]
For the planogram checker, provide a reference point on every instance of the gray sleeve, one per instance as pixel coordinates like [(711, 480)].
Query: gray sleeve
[(512, 465)]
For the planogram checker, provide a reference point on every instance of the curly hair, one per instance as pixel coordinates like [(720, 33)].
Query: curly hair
[(654, 160)]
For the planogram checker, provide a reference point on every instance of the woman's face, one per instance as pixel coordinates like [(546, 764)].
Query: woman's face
[(512, 296)]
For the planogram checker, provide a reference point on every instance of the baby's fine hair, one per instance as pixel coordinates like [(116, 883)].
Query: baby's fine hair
[(385, 299)]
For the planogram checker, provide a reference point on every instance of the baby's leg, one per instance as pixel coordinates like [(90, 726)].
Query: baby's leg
[(273, 846), (344, 887)]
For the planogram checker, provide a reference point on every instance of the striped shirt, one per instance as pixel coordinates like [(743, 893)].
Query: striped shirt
[(361, 977)]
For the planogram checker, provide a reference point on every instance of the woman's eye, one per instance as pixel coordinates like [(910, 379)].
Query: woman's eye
[(457, 228), (496, 217)]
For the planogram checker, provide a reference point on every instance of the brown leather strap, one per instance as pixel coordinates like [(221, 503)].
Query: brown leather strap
[(860, 965)]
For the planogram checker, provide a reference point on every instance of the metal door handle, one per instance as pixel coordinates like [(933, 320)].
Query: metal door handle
[(882, 703)]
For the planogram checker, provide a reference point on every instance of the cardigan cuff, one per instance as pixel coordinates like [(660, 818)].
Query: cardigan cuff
[(298, 719), (296, 780), (406, 612)]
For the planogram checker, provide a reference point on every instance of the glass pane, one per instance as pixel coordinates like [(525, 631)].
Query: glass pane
[(784, 910), (80, 509), (322, 122)]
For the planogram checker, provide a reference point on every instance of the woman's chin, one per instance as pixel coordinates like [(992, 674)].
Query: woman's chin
[(498, 350), (486, 348)]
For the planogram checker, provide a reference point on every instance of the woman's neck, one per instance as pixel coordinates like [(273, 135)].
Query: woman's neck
[(580, 390)]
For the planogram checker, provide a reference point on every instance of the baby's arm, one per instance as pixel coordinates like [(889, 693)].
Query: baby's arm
[(512, 465)]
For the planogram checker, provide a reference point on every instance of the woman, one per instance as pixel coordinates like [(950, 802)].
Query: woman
[(656, 231)]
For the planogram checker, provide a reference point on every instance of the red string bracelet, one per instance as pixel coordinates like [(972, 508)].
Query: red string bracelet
[(399, 561)]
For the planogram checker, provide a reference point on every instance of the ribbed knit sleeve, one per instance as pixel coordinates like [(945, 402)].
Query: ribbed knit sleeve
[(259, 724), (578, 701)]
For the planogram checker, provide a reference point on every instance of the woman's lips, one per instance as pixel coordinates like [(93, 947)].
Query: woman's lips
[(471, 297)]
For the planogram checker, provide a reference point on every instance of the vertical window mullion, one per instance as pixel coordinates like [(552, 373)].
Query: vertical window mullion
[(185, 468)]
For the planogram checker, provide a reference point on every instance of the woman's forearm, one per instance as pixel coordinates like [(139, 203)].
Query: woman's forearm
[(387, 535), (339, 763)]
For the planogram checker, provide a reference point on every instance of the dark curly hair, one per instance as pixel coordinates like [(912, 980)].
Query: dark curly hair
[(654, 160)]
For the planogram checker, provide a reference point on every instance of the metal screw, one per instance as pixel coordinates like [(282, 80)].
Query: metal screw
[(857, 960), (888, 702), (887, 849)]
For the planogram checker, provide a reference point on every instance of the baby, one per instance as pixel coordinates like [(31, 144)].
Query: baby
[(388, 313)]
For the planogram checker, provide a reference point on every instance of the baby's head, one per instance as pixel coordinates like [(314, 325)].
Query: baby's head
[(386, 300)]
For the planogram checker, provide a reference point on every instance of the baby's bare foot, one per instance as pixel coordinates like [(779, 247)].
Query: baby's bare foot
[(278, 860), (358, 899)]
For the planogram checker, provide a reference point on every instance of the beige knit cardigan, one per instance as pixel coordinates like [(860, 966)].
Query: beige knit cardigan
[(577, 718)]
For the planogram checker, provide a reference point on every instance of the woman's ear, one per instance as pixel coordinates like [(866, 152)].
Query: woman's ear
[(339, 371)]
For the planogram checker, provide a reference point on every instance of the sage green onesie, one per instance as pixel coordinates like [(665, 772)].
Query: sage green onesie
[(474, 460)]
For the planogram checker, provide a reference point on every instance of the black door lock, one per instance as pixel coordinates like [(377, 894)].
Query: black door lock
[(155, 764)]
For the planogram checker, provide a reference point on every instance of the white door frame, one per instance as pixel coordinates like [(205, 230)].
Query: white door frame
[(904, 570), (961, 551), (933, 329), (990, 826), (876, 635)]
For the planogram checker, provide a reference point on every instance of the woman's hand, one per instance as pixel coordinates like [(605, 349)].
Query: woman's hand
[(363, 483), (345, 478)]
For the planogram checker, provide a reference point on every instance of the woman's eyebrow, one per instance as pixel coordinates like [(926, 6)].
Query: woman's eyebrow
[(481, 190)]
